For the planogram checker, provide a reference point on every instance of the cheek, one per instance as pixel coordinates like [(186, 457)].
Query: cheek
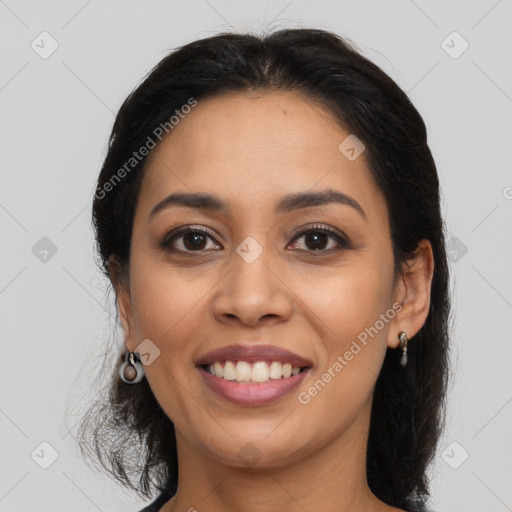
[(352, 300), (349, 308), (166, 305), (169, 310)]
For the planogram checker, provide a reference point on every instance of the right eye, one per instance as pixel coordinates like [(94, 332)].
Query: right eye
[(187, 239)]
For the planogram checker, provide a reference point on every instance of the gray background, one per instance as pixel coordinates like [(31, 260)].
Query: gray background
[(57, 113)]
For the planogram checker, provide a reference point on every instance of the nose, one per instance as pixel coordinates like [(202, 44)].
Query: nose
[(253, 293)]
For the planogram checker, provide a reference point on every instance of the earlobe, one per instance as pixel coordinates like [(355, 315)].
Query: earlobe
[(123, 298), (413, 293), (123, 312)]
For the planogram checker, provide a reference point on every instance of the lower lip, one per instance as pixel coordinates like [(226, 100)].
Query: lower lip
[(246, 393)]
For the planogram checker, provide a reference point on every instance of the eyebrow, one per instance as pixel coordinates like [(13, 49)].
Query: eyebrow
[(286, 204)]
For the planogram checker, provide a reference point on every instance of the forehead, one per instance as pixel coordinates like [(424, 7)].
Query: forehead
[(252, 148)]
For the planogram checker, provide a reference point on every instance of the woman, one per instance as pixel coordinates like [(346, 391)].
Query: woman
[(268, 214)]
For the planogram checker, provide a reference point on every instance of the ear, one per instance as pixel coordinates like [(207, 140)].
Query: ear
[(412, 292), (121, 285)]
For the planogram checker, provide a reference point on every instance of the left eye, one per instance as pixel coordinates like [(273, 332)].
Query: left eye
[(317, 240)]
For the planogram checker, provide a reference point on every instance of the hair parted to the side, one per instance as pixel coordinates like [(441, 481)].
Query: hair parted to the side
[(126, 431)]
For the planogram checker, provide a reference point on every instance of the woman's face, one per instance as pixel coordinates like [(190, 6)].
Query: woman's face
[(261, 272)]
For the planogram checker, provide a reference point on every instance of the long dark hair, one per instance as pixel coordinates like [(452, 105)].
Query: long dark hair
[(126, 431)]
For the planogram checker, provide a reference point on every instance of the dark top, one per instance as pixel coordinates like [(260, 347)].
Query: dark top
[(166, 495), (156, 505)]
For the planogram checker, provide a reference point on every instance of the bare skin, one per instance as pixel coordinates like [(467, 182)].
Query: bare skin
[(249, 151)]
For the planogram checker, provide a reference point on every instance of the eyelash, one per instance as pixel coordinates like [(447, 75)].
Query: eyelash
[(189, 229)]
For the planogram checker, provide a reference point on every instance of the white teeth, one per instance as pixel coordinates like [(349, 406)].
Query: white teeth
[(260, 371), (217, 369), (276, 370), (229, 371), (242, 371)]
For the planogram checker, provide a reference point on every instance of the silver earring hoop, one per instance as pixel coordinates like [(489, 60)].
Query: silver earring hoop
[(402, 336), (131, 371)]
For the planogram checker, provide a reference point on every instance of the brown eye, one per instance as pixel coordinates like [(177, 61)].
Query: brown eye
[(315, 240), (320, 239), (194, 241), (188, 239)]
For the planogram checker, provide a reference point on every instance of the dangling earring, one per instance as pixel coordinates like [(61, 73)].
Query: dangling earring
[(131, 371), (403, 345)]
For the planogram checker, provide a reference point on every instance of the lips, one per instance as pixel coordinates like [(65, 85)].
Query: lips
[(262, 388), (252, 354)]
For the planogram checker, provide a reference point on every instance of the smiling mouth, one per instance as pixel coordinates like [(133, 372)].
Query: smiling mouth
[(257, 372)]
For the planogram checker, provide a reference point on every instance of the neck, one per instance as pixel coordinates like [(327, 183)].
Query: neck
[(332, 479)]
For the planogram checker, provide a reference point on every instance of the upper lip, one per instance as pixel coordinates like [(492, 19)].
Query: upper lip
[(253, 353)]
